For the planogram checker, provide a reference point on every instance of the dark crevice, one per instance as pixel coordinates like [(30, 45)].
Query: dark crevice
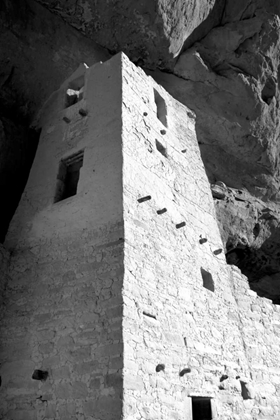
[(260, 265), (269, 90), (256, 230)]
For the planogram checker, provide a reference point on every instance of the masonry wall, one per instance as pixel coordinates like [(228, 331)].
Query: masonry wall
[(171, 321), (63, 303), (122, 292), (259, 323)]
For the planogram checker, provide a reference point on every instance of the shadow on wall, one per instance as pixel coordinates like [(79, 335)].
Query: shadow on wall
[(15, 164)]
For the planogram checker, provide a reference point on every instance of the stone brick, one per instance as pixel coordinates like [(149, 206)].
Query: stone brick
[(113, 380), (65, 343), (94, 383), (50, 410), (109, 350), (82, 353), (87, 368), (21, 415), (67, 409), (79, 390), (61, 373), (46, 348), (89, 408), (116, 363), (109, 404), (63, 390)]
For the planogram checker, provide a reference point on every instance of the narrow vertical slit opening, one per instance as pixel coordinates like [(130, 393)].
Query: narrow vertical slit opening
[(207, 279), (161, 149), (161, 108)]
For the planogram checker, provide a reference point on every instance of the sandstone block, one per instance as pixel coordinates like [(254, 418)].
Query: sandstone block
[(87, 368), (109, 404), (63, 390), (61, 373), (109, 350), (79, 390), (89, 408)]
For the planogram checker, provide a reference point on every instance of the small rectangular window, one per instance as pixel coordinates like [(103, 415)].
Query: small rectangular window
[(68, 176), (208, 281), (201, 408)]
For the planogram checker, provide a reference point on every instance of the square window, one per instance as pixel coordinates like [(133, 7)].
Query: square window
[(68, 176)]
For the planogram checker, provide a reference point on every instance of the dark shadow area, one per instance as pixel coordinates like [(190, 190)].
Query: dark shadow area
[(161, 108), (68, 177), (161, 149), (201, 408), (18, 145), (261, 266), (244, 391), (207, 278)]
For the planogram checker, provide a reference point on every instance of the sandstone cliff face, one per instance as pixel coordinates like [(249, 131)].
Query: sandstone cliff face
[(219, 57), (232, 74), (151, 32)]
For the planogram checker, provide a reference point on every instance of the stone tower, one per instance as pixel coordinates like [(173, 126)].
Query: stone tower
[(120, 304)]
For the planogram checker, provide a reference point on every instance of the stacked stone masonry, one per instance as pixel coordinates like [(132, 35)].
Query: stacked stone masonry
[(121, 291)]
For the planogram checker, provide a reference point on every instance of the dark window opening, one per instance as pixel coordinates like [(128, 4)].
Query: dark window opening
[(207, 278), (180, 225), (68, 177), (143, 199), (75, 91), (201, 408), (161, 108), (161, 149), (149, 315)]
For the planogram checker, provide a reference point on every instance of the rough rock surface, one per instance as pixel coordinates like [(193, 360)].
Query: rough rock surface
[(231, 82), (38, 51), (151, 32)]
